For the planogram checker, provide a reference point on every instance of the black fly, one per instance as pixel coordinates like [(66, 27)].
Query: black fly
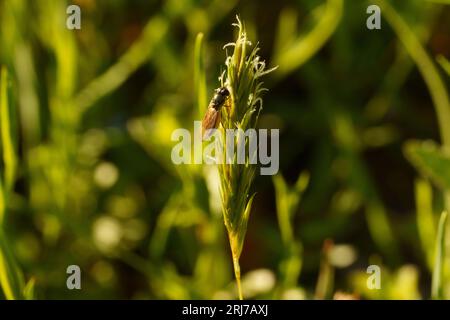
[(212, 116)]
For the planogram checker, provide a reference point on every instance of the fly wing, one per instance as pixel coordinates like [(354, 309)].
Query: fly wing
[(210, 121)]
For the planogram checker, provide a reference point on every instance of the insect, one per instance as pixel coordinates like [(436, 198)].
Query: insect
[(212, 116)]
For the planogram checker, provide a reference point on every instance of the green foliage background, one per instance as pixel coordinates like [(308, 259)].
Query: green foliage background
[(86, 177)]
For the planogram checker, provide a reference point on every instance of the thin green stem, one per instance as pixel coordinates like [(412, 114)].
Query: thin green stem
[(428, 71), (133, 58), (437, 288), (237, 274)]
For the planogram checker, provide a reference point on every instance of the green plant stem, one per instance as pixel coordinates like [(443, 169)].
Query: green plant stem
[(235, 254), (305, 47), (199, 74), (436, 287), (242, 78), (428, 71), (237, 275), (11, 278), (155, 30)]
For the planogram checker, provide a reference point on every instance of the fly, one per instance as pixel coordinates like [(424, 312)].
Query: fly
[(212, 116)]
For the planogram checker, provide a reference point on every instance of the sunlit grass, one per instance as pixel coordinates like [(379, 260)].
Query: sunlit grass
[(243, 78), (112, 93), (437, 289)]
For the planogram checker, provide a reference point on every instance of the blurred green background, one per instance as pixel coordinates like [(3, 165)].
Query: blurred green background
[(86, 175)]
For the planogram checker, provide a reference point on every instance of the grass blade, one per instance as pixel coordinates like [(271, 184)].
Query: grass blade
[(445, 64), (11, 279), (430, 161), (132, 59), (424, 64), (7, 123), (425, 219), (428, 70), (437, 285), (199, 75), (304, 47), (28, 291), (2, 202)]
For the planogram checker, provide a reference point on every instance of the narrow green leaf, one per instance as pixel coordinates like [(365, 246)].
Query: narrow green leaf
[(437, 282), (2, 202), (430, 160), (380, 228), (7, 124), (11, 279), (445, 64), (141, 50), (287, 202), (291, 56), (425, 64), (28, 291), (242, 230), (425, 220), (281, 199), (199, 75)]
